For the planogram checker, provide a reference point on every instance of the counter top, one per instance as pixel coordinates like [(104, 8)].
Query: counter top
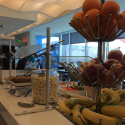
[(51, 117)]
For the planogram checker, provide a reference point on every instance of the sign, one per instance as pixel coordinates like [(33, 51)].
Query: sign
[(21, 40), (24, 39)]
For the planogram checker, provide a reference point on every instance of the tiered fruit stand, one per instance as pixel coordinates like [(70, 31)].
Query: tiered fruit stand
[(114, 34)]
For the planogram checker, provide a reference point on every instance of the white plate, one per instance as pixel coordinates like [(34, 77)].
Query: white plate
[(62, 91)]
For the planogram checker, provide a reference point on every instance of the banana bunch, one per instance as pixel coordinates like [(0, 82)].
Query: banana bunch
[(110, 97), (112, 110)]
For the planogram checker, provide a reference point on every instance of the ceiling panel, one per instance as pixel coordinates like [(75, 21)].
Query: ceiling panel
[(74, 4), (32, 6), (12, 4), (51, 9), (54, 9)]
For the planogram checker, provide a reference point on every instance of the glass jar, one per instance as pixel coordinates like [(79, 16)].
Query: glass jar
[(38, 82)]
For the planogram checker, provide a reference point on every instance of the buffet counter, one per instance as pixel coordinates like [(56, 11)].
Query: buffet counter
[(51, 117)]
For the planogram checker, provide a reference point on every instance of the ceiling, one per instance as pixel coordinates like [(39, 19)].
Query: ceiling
[(60, 25), (57, 26), (47, 11)]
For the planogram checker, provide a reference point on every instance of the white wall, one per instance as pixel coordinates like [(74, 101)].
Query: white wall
[(23, 35), (32, 38)]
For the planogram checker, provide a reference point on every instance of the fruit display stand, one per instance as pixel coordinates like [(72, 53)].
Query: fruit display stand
[(114, 34), (107, 103)]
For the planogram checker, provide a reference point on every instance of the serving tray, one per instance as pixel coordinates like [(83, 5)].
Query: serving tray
[(18, 84)]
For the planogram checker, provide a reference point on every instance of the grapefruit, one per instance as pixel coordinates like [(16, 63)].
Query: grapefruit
[(95, 32), (110, 7), (90, 4), (118, 17), (92, 17), (122, 22), (111, 25), (80, 15)]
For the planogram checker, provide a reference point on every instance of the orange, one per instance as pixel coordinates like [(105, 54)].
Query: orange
[(123, 11), (92, 17), (95, 31), (118, 17), (110, 7), (122, 22), (90, 4), (79, 14), (111, 25)]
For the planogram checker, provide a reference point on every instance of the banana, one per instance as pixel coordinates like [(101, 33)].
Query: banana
[(116, 119), (102, 93), (102, 102), (93, 123), (75, 112), (118, 91), (115, 98), (73, 101), (106, 99), (94, 117), (122, 104), (111, 117), (68, 95), (81, 101), (121, 94), (62, 106), (113, 111), (69, 103), (123, 100), (93, 108)]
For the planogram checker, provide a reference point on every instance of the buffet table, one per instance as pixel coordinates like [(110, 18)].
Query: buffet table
[(51, 117)]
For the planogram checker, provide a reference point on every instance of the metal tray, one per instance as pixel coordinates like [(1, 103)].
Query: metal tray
[(18, 84)]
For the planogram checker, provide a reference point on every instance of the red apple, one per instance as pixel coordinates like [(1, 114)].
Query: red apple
[(102, 80), (123, 60), (110, 62), (91, 69), (82, 73), (115, 54), (96, 59), (118, 70)]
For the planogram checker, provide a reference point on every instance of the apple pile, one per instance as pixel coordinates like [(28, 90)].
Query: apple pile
[(113, 67), (91, 8)]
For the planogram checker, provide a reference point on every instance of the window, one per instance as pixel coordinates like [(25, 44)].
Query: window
[(92, 48), (117, 44), (55, 53), (77, 51), (64, 54)]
